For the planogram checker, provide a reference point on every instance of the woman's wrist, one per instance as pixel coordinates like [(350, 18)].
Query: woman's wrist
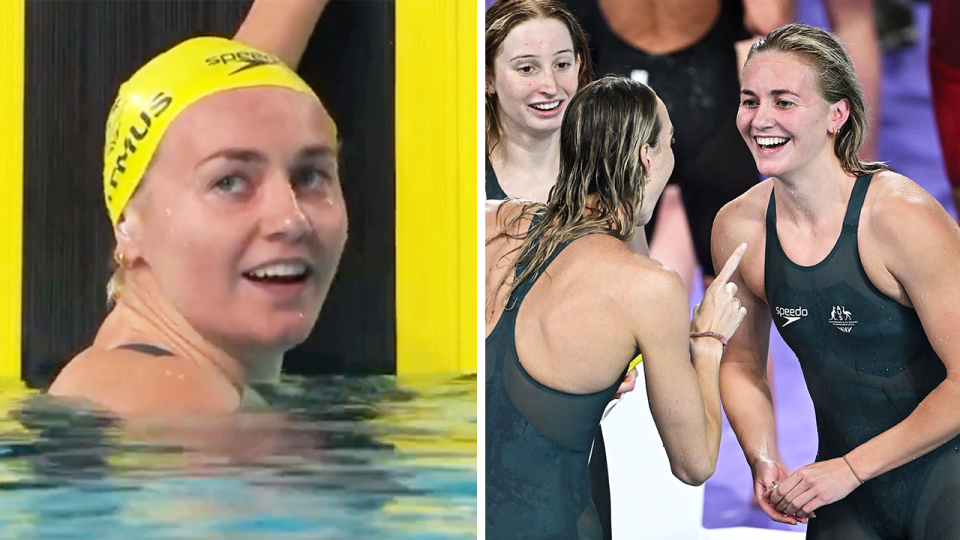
[(706, 348), (708, 335)]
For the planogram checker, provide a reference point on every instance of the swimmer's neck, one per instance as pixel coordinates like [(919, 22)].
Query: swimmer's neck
[(142, 314), (525, 161), (819, 191)]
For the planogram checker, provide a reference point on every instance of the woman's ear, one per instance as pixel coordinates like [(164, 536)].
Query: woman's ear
[(839, 113), (127, 233), (645, 160)]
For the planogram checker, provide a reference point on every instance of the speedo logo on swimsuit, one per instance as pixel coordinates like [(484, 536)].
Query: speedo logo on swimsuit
[(842, 319), (249, 59), (792, 315)]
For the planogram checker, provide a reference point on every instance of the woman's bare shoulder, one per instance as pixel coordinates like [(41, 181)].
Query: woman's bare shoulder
[(750, 207), (128, 382), (499, 213)]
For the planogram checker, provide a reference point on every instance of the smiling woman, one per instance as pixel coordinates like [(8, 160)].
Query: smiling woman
[(220, 179), (221, 171), (855, 265)]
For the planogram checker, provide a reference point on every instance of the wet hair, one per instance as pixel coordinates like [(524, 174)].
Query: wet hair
[(603, 130), (501, 18), (116, 281), (835, 81)]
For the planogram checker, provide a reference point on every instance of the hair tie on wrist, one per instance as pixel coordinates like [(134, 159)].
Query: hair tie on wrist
[(857, 476), (714, 335)]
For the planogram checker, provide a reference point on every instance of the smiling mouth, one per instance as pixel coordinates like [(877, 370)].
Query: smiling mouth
[(770, 143), (280, 273), (546, 107)]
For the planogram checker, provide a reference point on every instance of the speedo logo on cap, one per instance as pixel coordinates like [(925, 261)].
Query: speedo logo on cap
[(792, 315), (249, 59)]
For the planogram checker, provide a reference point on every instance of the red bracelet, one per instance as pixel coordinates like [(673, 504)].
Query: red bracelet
[(715, 335)]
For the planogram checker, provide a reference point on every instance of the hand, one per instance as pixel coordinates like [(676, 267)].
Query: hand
[(768, 474), (720, 311), (813, 486), (628, 384)]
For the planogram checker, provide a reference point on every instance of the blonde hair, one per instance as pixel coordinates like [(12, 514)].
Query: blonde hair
[(835, 81), (115, 283), (605, 126)]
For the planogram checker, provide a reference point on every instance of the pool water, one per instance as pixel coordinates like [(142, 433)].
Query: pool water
[(336, 457)]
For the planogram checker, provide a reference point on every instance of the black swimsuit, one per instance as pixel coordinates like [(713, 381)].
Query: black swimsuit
[(867, 363), (146, 348), (493, 189), (538, 443)]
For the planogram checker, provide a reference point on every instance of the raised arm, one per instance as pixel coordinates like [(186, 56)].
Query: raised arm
[(281, 27), (743, 374), (682, 373), (920, 247)]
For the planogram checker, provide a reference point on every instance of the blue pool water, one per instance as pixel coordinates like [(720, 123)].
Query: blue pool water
[(336, 457)]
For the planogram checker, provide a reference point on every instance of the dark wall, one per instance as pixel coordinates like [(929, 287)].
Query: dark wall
[(77, 55)]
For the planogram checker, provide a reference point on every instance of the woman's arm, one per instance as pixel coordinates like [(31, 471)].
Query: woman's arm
[(920, 247), (281, 27), (681, 373), (744, 387)]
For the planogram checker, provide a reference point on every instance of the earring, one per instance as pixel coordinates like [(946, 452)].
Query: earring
[(119, 258)]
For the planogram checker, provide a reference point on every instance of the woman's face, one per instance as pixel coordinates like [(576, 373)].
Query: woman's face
[(782, 117), (243, 221), (661, 161), (534, 76)]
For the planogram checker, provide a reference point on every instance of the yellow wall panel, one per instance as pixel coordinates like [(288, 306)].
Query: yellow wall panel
[(11, 184), (436, 161)]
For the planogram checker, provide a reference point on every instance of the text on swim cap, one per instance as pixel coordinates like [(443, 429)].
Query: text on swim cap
[(137, 132)]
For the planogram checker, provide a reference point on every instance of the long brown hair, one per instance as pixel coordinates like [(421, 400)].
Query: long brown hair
[(603, 130), (501, 18), (835, 81)]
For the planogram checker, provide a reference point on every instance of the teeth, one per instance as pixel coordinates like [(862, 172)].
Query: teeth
[(546, 106), (771, 141), (280, 270)]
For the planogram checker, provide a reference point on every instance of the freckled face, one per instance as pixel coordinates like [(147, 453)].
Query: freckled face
[(535, 76)]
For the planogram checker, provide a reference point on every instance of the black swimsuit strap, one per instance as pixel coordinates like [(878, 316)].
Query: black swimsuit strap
[(146, 348)]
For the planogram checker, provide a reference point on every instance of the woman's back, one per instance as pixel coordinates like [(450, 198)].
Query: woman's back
[(539, 436), (574, 329), (558, 346)]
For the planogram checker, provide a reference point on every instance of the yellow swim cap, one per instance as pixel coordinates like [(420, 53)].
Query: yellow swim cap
[(162, 89)]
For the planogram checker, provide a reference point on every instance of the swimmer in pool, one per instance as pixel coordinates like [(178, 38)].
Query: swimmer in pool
[(221, 182)]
